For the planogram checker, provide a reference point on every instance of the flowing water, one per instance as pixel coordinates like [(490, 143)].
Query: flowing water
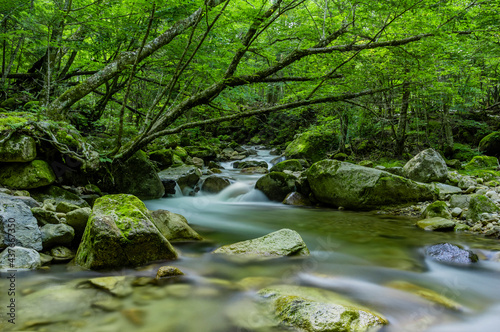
[(356, 254)]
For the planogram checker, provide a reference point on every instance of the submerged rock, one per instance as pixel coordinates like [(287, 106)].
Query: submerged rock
[(284, 242), (427, 166), (120, 232), (312, 309), (27, 175), (436, 224), (173, 226), (276, 185), (356, 187), (297, 199), (450, 253), (18, 227), (168, 271)]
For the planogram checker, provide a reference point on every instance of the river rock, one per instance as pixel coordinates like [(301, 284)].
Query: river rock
[(297, 199), (293, 165), (479, 162), (59, 234), (436, 224), (461, 201), (437, 209), (24, 258), (173, 226), (215, 184), (249, 163), (185, 176), (164, 158), (445, 190), (58, 195), (78, 220), (198, 162), (120, 232), (204, 152), (254, 170), (34, 174), (118, 286), (61, 254), (136, 176), (168, 271), (456, 212), (450, 253), (356, 187), (284, 242), (490, 144), (478, 205), (16, 219), (312, 309), (45, 217), (18, 148), (30, 201), (427, 166), (312, 146), (276, 185)]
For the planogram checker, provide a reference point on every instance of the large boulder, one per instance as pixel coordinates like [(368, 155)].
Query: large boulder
[(120, 232), (137, 176), (34, 174), (58, 234), (19, 258), (173, 226), (250, 163), (18, 227), (479, 162), (276, 185), (293, 165), (312, 146), (18, 148), (284, 242), (164, 157), (490, 144), (427, 166), (355, 187), (185, 176), (215, 184), (313, 309)]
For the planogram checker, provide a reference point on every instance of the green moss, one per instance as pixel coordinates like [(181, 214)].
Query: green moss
[(311, 145), (26, 175), (10, 119), (479, 162), (180, 152), (437, 209), (293, 165), (490, 144), (480, 204), (485, 174)]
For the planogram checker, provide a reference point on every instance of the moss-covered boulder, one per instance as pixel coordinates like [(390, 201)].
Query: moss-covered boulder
[(312, 146), (284, 242), (18, 148), (355, 187), (480, 204), (276, 185), (204, 152), (490, 144), (34, 174), (58, 195), (292, 165), (137, 176), (427, 166), (479, 162), (215, 184), (164, 158), (436, 224), (180, 152), (437, 209), (296, 199), (174, 226), (120, 232), (313, 309), (250, 163)]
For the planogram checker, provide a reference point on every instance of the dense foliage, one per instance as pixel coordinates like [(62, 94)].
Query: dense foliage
[(387, 76)]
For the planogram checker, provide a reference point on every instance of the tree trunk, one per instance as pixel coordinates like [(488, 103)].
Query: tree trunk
[(403, 119), (448, 134)]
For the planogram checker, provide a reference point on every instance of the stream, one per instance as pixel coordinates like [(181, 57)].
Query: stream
[(356, 254)]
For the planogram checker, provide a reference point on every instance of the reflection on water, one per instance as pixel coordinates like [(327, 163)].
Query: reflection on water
[(355, 254)]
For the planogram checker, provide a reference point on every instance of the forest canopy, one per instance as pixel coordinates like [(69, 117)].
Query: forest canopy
[(142, 70)]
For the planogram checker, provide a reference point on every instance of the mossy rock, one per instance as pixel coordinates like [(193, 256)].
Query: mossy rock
[(312, 146), (203, 152), (9, 119), (276, 185), (437, 209), (359, 188), (174, 227), (180, 152), (454, 163), (490, 144), (34, 174), (340, 156), (479, 162), (480, 204), (293, 165), (164, 157), (436, 224), (58, 195), (120, 232), (366, 163), (18, 148)]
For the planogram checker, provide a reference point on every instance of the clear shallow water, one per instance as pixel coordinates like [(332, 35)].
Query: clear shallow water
[(352, 253)]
